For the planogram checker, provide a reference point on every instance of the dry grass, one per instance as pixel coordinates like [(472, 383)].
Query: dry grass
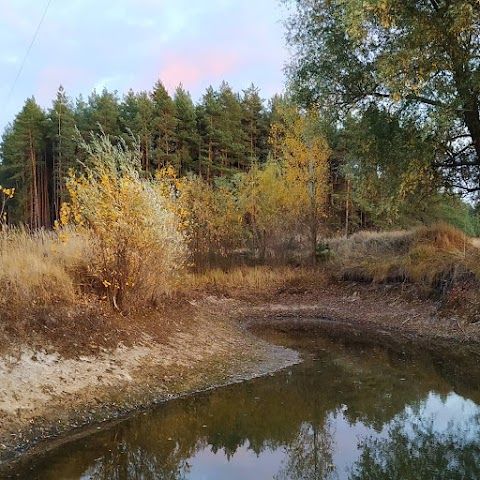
[(430, 256), (47, 285), (475, 242), (38, 269), (371, 244), (50, 285), (251, 281), (49, 296)]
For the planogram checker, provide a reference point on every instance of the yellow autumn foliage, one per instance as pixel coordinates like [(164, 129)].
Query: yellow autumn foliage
[(6, 194), (305, 154), (136, 235)]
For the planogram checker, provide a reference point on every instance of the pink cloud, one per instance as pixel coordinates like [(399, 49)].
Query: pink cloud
[(196, 69)]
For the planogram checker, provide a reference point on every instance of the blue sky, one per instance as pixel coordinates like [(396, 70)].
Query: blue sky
[(122, 44)]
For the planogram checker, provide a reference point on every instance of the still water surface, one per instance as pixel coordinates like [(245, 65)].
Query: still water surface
[(348, 412)]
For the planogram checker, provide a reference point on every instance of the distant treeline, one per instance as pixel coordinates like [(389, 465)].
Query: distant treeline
[(222, 134), (381, 171)]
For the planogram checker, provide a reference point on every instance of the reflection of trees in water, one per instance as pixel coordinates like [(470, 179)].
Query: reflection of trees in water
[(288, 411), (309, 456), (415, 449), (128, 464), (130, 457)]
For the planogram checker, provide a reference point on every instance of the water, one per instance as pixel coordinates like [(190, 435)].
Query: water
[(348, 412)]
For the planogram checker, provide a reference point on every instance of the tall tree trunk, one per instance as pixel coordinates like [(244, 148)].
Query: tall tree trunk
[(47, 221), (210, 159), (34, 214), (314, 209), (347, 206), (58, 194)]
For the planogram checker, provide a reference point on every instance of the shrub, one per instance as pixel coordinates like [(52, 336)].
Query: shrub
[(135, 237)]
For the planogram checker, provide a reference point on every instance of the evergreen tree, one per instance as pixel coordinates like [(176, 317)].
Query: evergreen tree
[(137, 117), (209, 115), (82, 116), (164, 124), (255, 124), (128, 113), (186, 131), (7, 170), (24, 165), (61, 134), (104, 113), (233, 139)]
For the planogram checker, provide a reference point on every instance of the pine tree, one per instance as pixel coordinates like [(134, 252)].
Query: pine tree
[(61, 133), (7, 170), (137, 118), (233, 144), (24, 165), (104, 113), (164, 123), (209, 114), (186, 131), (255, 124), (128, 113), (82, 116)]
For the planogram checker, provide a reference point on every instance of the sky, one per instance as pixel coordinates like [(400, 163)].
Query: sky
[(121, 44)]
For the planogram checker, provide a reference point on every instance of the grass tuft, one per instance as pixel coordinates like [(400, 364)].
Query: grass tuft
[(432, 256), (35, 269)]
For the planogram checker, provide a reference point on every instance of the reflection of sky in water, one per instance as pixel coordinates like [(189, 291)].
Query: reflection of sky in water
[(346, 436), (245, 464), (450, 414)]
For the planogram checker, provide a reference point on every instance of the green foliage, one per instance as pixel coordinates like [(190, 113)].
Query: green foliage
[(452, 210), (186, 131), (24, 165), (214, 138), (221, 125), (61, 134), (104, 113), (417, 57), (164, 124), (323, 251), (390, 166), (256, 124)]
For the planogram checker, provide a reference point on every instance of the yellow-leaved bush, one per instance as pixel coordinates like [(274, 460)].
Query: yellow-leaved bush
[(264, 197), (135, 234), (208, 213)]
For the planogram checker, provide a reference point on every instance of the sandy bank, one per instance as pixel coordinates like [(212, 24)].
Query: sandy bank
[(44, 394)]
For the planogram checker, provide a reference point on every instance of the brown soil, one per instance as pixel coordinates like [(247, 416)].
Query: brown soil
[(190, 346)]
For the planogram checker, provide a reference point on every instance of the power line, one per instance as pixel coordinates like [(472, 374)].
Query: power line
[(9, 96)]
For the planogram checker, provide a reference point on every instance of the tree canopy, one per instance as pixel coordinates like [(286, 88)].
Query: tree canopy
[(417, 57)]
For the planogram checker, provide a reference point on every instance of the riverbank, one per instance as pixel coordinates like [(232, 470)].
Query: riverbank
[(46, 394)]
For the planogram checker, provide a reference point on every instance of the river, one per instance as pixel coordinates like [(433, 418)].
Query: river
[(349, 411)]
